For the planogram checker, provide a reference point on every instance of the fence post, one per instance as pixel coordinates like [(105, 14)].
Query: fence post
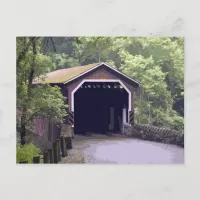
[(68, 141), (63, 146), (73, 132), (46, 157), (51, 157), (58, 144), (36, 159), (55, 152)]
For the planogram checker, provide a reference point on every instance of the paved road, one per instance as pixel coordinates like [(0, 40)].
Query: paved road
[(131, 151)]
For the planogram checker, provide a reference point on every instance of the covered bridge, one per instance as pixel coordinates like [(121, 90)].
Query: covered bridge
[(100, 98)]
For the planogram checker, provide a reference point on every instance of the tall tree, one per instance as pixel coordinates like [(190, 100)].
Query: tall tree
[(34, 99)]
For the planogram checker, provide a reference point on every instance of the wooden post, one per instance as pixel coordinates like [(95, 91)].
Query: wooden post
[(58, 145), (123, 119), (73, 132), (112, 115), (46, 157), (51, 157), (120, 123), (55, 152), (131, 118), (36, 159), (63, 146), (68, 141)]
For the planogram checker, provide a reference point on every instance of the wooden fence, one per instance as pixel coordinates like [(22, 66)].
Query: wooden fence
[(54, 154)]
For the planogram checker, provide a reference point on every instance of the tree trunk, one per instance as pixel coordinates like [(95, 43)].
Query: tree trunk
[(30, 80), (23, 129), (99, 55), (23, 53)]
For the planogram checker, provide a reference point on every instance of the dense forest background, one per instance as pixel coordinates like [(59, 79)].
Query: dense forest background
[(156, 62)]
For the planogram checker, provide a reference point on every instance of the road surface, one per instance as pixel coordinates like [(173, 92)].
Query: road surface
[(108, 150)]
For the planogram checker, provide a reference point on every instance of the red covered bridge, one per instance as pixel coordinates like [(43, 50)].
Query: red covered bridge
[(100, 99)]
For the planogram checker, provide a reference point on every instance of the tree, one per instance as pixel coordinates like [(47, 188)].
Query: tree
[(93, 49), (157, 63), (34, 99)]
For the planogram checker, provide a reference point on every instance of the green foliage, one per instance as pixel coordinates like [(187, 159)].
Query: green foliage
[(176, 122), (94, 48), (63, 61), (156, 62), (36, 100), (27, 152), (47, 102)]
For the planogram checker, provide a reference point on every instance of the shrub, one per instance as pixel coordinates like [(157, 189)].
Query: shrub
[(27, 152), (178, 123)]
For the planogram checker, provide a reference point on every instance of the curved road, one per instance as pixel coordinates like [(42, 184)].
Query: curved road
[(131, 151)]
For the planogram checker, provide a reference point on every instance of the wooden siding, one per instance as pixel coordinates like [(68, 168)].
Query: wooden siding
[(46, 129), (100, 73)]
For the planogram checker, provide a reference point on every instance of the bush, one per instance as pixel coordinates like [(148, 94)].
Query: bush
[(178, 123), (27, 152)]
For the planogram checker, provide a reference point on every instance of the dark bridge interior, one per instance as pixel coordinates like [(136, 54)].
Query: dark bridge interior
[(92, 102)]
